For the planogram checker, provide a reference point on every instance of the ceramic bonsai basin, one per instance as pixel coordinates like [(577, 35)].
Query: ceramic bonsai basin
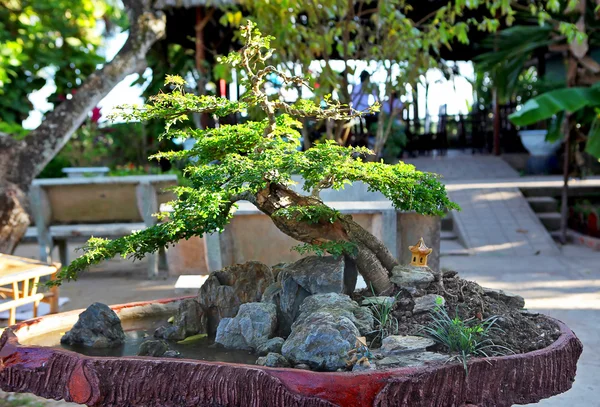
[(145, 381)]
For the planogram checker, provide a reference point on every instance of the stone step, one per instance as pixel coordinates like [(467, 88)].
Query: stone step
[(550, 220), (448, 235), (543, 204)]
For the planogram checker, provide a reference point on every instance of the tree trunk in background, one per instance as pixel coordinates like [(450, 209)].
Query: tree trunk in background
[(569, 127), (14, 218), (576, 51), (415, 96), (22, 161)]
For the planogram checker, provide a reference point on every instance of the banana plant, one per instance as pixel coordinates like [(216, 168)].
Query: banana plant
[(555, 104)]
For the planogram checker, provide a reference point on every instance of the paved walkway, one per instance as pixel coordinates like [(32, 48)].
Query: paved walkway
[(494, 220), (465, 166), (566, 287), (500, 222)]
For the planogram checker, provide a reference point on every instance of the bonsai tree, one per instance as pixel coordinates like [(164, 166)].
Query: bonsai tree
[(255, 162)]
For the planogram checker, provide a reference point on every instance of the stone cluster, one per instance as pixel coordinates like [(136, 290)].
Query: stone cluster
[(296, 315)]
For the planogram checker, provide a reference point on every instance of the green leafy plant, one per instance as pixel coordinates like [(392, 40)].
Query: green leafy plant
[(255, 161), (385, 322), (559, 101), (463, 338)]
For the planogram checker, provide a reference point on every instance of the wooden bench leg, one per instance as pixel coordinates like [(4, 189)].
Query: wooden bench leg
[(63, 252), (12, 319)]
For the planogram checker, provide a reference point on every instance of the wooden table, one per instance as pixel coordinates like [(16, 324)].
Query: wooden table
[(19, 278)]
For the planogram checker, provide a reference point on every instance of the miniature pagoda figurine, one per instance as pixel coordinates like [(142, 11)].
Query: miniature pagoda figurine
[(419, 253)]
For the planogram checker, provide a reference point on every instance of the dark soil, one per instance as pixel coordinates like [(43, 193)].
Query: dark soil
[(518, 330)]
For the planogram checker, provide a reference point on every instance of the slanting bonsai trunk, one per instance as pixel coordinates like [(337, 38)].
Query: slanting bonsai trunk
[(373, 259), (21, 162)]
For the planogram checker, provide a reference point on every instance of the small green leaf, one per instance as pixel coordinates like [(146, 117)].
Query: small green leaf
[(592, 146), (192, 339)]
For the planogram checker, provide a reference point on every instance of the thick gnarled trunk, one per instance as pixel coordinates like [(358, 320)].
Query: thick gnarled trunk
[(373, 259)]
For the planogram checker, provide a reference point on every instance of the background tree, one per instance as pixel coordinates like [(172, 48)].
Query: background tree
[(54, 24), (403, 37), (569, 109)]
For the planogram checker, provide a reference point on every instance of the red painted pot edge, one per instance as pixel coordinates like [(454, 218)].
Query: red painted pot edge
[(566, 335), (363, 386)]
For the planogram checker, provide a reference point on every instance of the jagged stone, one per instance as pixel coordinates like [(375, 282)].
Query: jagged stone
[(273, 360), (397, 344), (378, 301), (321, 341), (411, 360), (308, 276), (428, 303), (190, 320), (253, 325), (362, 365), (272, 345), (172, 354), (412, 276), (97, 327), (302, 366), (153, 347), (338, 305), (225, 290)]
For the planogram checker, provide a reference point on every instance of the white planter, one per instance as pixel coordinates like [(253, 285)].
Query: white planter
[(535, 142)]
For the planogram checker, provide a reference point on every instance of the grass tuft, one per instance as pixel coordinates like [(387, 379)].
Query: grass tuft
[(464, 338)]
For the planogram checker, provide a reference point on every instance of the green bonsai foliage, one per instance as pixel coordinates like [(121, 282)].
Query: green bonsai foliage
[(255, 161)]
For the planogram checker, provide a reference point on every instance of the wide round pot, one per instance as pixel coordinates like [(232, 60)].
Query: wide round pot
[(535, 142), (145, 381)]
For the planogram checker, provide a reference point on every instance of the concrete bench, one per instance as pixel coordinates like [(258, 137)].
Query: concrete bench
[(75, 209), (251, 235)]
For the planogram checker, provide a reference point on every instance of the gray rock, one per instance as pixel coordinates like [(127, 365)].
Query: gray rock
[(97, 327), (321, 274), (225, 290), (397, 344), (172, 354), (510, 299), (273, 360), (153, 347), (253, 325), (271, 293), (428, 303), (412, 276), (412, 360), (308, 276), (272, 345), (302, 366), (338, 305), (190, 320), (378, 301), (362, 366), (321, 341)]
